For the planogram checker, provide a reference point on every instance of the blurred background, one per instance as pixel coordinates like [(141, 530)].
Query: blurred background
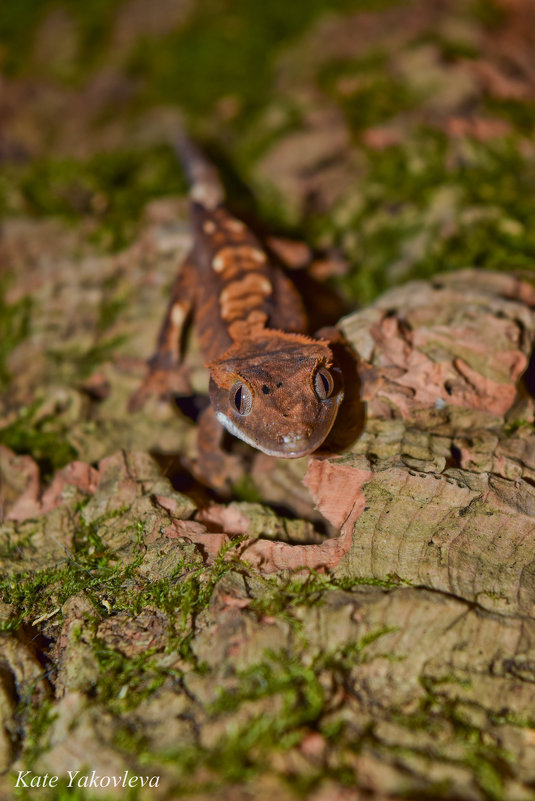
[(398, 133)]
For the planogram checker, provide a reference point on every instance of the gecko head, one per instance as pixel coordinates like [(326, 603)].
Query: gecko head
[(280, 392)]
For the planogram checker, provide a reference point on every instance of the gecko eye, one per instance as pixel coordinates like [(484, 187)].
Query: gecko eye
[(323, 383), (241, 398)]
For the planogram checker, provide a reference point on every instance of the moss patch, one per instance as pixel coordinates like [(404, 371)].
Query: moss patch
[(19, 22), (226, 50), (15, 321), (109, 191), (427, 209), (366, 90), (42, 437)]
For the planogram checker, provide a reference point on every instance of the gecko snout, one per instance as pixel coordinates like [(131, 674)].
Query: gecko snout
[(294, 439)]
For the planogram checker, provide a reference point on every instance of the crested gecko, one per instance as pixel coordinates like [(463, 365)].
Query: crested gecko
[(271, 385)]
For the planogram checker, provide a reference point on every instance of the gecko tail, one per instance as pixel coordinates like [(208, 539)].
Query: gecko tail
[(203, 178)]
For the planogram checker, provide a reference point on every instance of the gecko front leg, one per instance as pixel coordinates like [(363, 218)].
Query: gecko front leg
[(214, 466), (165, 375)]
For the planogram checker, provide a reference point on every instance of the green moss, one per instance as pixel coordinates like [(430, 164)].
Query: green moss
[(104, 576), (407, 173), (91, 569), (188, 591), (37, 719), (14, 328), (44, 438), (520, 113), (227, 48), (402, 229), (377, 95), (283, 595), (19, 22), (489, 13), (480, 244), (246, 490), (94, 20), (127, 681), (293, 682), (295, 686), (377, 103), (109, 190), (110, 310), (82, 361), (510, 429), (454, 49), (488, 762), (99, 574), (512, 718)]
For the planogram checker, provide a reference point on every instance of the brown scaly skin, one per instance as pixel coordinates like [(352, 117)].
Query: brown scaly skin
[(270, 384), (287, 417)]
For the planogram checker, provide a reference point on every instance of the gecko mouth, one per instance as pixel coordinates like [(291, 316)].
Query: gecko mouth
[(288, 447)]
